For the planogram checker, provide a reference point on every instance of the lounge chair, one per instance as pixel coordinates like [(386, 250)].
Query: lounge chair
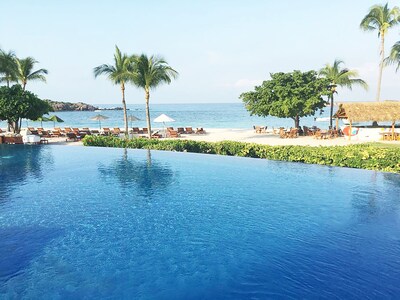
[(189, 130), (145, 130), (116, 131), (72, 136), (135, 130), (106, 131), (282, 133), (200, 131), (293, 133), (172, 134), (180, 130), (156, 135)]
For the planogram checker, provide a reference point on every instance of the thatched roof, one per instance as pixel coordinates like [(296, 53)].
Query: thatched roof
[(370, 111)]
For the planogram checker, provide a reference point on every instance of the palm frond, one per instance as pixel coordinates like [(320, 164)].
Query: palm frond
[(394, 56)]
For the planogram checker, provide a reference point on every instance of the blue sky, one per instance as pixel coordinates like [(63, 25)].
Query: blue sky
[(220, 48)]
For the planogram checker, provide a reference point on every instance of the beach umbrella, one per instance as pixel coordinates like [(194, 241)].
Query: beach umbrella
[(132, 118), (163, 118), (55, 119), (41, 120), (99, 118)]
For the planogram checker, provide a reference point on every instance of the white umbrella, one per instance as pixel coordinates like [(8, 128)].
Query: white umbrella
[(163, 118)]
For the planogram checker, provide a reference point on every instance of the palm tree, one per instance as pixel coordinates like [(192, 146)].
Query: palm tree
[(8, 68), (342, 77), (394, 56), (118, 74), (148, 73), (25, 71), (380, 18)]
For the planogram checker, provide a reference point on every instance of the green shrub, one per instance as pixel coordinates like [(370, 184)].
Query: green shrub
[(363, 156)]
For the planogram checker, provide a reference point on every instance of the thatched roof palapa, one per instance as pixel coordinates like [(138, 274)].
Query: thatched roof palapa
[(386, 111)]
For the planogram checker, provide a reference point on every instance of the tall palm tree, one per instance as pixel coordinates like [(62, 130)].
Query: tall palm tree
[(394, 56), (148, 73), (25, 71), (342, 77), (118, 74), (8, 68), (380, 18)]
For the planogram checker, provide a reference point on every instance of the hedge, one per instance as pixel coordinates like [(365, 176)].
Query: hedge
[(362, 156)]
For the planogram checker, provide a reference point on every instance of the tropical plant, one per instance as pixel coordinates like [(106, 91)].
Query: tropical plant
[(25, 71), (118, 74), (394, 57), (339, 76), (8, 68), (148, 73), (15, 104), (288, 95), (381, 19)]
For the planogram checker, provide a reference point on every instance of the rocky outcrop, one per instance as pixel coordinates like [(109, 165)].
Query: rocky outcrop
[(68, 106)]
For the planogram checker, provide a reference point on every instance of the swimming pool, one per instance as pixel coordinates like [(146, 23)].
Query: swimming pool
[(82, 222)]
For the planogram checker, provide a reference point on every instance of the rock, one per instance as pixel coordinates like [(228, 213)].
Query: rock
[(68, 106)]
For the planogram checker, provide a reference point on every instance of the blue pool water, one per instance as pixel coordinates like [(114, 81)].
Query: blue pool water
[(80, 222)]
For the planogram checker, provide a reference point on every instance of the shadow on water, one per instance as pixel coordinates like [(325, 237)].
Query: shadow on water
[(19, 245), (20, 162), (148, 176)]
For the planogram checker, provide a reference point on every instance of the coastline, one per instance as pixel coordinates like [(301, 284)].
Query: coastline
[(243, 135)]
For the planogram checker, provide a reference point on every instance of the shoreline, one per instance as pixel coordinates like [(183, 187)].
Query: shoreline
[(244, 135)]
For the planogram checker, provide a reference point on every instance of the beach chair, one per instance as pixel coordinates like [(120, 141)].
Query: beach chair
[(156, 135), (67, 129), (116, 131), (135, 130), (200, 131), (106, 131), (145, 130), (189, 130), (293, 133), (32, 130), (172, 134), (72, 136), (180, 130), (282, 133), (55, 133)]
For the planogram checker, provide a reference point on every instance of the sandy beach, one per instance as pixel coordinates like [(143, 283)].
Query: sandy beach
[(243, 135)]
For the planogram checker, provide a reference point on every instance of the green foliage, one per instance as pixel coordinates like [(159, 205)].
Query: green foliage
[(363, 156), (380, 18), (394, 56), (287, 95), (25, 71), (15, 104)]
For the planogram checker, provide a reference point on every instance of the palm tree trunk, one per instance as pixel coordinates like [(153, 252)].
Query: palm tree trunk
[(124, 107), (331, 112), (147, 97), (23, 85), (378, 94)]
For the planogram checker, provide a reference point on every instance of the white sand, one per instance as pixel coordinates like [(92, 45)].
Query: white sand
[(244, 135), (249, 136)]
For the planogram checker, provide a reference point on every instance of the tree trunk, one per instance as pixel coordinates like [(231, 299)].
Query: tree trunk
[(147, 97), (378, 94), (296, 121), (124, 107), (331, 113), (23, 85)]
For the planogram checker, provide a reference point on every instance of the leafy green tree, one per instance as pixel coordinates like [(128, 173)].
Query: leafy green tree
[(287, 95), (339, 76), (8, 67), (15, 104), (118, 74), (148, 73), (394, 57), (380, 18), (25, 71)]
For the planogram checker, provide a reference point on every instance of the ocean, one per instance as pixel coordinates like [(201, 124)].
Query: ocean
[(206, 115)]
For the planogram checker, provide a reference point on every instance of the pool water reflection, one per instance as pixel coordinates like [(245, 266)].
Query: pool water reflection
[(81, 222)]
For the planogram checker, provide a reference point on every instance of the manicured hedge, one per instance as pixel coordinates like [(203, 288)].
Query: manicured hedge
[(363, 156)]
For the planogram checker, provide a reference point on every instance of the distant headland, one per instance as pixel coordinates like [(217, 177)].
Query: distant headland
[(79, 106)]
